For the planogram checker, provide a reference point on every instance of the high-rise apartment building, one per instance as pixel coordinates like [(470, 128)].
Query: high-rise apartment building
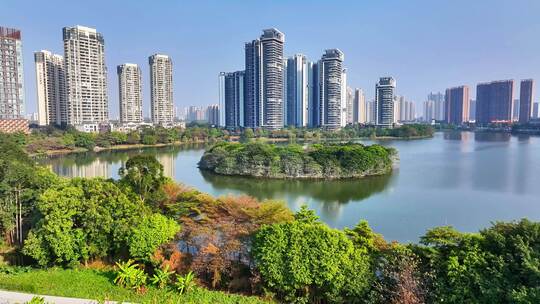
[(161, 89), (535, 110), (515, 110), (331, 82), (212, 114), (232, 99), (51, 89), (359, 107), (350, 105), (428, 108), (11, 74), (472, 110), (438, 105), (264, 81), (457, 105), (526, 92), (384, 101), (494, 101), (298, 90), (86, 76), (130, 93)]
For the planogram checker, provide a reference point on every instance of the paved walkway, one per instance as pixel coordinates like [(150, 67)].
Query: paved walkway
[(11, 297)]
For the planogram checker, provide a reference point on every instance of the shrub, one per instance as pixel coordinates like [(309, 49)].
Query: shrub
[(130, 275), (149, 234), (185, 283), (161, 277)]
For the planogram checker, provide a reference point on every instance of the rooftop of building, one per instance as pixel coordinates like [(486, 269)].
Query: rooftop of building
[(6, 32)]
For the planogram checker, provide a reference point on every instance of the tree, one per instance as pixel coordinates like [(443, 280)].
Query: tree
[(309, 262), (144, 175), (149, 234), (82, 219)]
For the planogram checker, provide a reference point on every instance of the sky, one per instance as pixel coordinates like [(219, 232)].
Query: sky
[(425, 45)]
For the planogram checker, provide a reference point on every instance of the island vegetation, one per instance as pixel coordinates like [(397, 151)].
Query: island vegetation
[(52, 140), (143, 238), (326, 161)]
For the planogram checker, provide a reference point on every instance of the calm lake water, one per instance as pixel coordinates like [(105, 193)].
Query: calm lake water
[(462, 179)]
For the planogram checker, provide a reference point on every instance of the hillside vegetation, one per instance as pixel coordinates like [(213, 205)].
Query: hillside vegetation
[(326, 161)]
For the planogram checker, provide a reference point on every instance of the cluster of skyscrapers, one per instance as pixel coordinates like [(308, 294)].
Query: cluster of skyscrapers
[(72, 88), (273, 91), (494, 103)]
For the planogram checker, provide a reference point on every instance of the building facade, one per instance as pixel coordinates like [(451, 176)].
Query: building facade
[(161, 89), (535, 110), (86, 76), (526, 92), (438, 105), (359, 107), (11, 74), (232, 99), (51, 89), (384, 102), (298, 90), (457, 105), (212, 114), (264, 85), (330, 71), (494, 102), (130, 93)]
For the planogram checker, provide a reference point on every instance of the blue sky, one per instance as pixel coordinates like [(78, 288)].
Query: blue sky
[(426, 45)]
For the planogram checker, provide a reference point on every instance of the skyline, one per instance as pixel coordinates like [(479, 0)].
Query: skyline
[(493, 49)]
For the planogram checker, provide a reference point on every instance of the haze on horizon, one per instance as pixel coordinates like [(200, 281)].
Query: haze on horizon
[(426, 45)]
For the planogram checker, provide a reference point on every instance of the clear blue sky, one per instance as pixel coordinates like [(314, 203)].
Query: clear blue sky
[(426, 45)]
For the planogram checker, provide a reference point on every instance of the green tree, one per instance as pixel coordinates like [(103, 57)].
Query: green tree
[(82, 219), (152, 232), (305, 262), (144, 175)]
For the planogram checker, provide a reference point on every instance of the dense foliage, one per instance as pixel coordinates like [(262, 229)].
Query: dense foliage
[(180, 238), (51, 139), (293, 161)]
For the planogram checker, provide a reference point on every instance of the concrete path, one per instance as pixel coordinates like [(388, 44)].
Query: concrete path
[(11, 297)]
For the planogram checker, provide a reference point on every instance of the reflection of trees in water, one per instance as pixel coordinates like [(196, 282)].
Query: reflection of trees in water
[(325, 191), (62, 163)]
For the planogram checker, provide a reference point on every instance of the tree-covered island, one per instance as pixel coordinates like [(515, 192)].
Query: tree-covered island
[(320, 161)]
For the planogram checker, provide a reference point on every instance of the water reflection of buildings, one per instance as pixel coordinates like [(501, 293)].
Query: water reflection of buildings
[(167, 160), (96, 168)]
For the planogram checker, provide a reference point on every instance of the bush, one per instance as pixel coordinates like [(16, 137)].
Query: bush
[(149, 234), (130, 275)]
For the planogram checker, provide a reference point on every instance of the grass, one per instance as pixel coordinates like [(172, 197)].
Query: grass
[(98, 285)]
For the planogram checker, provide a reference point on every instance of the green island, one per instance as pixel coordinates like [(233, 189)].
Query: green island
[(317, 161), (51, 140), (144, 238)]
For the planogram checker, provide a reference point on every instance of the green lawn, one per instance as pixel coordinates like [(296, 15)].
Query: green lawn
[(98, 285)]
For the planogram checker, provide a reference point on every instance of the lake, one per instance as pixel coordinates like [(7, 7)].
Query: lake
[(463, 179)]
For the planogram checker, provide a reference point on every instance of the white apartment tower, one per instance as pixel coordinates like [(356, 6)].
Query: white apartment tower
[(161, 87), (298, 90), (330, 89), (130, 93), (11, 74), (359, 107), (51, 89), (86, 76)]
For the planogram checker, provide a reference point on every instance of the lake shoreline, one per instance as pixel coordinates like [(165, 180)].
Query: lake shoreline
[(53, 153)]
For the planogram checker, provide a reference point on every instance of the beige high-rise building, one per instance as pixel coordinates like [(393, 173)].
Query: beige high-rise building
[(359, 107), (130, 93), (86, 76), (161, 87), (11, 74), (51, 88)]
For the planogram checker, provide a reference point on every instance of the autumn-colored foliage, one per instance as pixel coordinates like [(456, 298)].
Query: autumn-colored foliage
[(216, 233)]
